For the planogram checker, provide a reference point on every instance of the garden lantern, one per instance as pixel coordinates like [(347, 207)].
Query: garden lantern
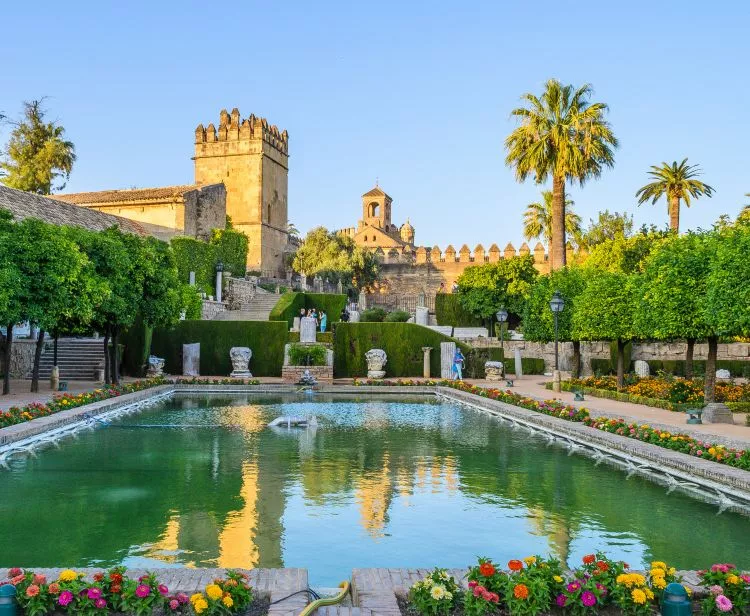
[(502, 317), (8, 601), (556, 304), (675, 601)]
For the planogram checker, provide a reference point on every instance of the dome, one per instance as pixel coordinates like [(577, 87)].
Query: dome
[(407, 232)]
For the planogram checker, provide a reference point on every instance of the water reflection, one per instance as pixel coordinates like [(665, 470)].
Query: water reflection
[(380, 483)]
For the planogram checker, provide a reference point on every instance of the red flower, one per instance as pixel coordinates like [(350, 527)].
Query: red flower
[(515, 565), (520, 591), (588, 559), (116, 577), (487, 569), (115, 589), (98, 577), (602, 566)]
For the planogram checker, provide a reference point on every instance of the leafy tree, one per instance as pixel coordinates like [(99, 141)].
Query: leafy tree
[(677, 183), (162, 298), (336, 257), (37, 154), (728, 294), (538, 320), (606, 227), (483, 289), (625, 255), (673, 292), (537, 220), (564, 136), (11, 285), (604, 311)]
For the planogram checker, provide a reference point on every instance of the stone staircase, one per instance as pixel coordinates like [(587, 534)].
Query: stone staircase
[(77, 358), (256, 309)]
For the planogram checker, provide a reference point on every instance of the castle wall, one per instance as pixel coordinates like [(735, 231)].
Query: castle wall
[(167, 214), (205, 209)]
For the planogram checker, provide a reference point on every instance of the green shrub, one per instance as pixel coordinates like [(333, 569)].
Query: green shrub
[(230, 247), (290, 304), (739, 407), (676, 367), (372, 315), (402, 342), (307, 355), (322, 337), (287, 308), (449, 311), (613, 356), (397, 316), (474, 368), (136, 341), (196, 256), (266, 339)]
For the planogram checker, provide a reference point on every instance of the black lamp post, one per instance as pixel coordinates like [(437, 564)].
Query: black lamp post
[(502, 317), (556, 304)]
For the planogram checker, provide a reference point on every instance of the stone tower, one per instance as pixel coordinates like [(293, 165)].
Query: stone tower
[(376, 209), (251, 158)]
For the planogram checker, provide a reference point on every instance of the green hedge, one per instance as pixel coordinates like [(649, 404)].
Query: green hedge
[(322, 337), (136, 341), (449, 311), (266, 339), (402, 342), (626, 397), (676, 367), (477, 357), (290, 304), (230, 247), (196, 256)]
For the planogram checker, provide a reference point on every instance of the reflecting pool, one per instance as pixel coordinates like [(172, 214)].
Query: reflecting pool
[(381, 482)]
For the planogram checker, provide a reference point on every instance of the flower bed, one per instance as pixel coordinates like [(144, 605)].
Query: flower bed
[(113, 591), (537, 585)]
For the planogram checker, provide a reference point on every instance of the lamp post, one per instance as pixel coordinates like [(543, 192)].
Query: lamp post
[(502, 317), (557, 304), (219, 274)]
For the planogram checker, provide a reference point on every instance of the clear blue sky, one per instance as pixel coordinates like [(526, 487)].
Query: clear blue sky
[(417, 94)]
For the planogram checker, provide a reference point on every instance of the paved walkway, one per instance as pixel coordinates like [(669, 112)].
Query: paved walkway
[(533, 386)]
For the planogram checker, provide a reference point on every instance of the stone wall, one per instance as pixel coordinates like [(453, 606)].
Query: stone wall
[(240, 292), (209, 309), (205, 209), (21, 359), (292, 374)]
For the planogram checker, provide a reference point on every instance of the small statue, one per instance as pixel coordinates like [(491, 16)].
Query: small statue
[(376, 359), (240, 357), (155, 366), (307, 379)]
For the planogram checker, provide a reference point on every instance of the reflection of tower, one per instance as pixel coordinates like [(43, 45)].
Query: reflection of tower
[(374, 495), (555, 528), (238, 546)]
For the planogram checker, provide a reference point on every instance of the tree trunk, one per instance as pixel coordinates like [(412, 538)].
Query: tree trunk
[(620, 364), (8, 346), (557, 250), (576, 373), (674, 213), (106, 356), (115, 358), (689, 358), (709, 393), (37, 356)]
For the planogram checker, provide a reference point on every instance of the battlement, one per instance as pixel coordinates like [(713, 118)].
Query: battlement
[(233, 128), (480, 255)]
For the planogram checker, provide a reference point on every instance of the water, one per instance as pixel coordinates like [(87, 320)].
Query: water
[(382, 482)]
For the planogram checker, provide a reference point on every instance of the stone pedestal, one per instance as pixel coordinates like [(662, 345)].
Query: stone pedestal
[(519, 364), (421, 317), (240, 357), (307, 330), (155, 366), (447, 353), (354, 316), (641, 368), (716, 412), (493, 370), (191, 359), (426, 361), (219, 279), (54, 378), (556, 381), (376, 360)]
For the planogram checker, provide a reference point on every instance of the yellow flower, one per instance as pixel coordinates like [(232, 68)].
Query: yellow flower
[(558, 579), (214, 592), (672, 571), (688, 590), (657, 573), (529, 560), (68, 575), (733, 579), (639, 596), (227, 601), (649, 594), (437, 592), (658, 564), (196, 597), (200, 605), (659, 582)]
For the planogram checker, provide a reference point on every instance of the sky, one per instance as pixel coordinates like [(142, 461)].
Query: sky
[(416, 95)]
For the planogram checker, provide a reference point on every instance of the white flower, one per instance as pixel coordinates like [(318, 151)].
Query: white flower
[(428, 582), (437, 592), (444, 575), (448, 595)]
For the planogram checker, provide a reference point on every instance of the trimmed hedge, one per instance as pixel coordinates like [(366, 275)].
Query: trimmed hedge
[(676, 367), (290, 304), (449, 311), (137, 342), (626, 397), (322, 337), (402, 342), (477, 357), (266, 339)]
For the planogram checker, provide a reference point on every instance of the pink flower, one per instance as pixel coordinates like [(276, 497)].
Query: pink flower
[(100, 603), (588, 598), (561, 600), (65, 598), (182, 597), (94, 593), (719, 568), (163, 590), (174, 604), (573, 586), (716, 590), (745, 578), (472, 584), (486, 595), (40, 579), (14, 572), (142, 591), (724, 604), (478, 590)]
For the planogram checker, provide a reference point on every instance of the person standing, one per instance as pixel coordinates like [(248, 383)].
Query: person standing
[(323, 320), (458, 365)]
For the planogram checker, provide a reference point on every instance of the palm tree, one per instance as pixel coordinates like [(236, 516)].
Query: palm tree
[(537, 220), (564, 136), (677, 183)]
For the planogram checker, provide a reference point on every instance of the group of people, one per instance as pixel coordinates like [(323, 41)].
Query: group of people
[(321, 318)]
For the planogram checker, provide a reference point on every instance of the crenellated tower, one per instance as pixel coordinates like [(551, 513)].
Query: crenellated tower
[(251, 158)]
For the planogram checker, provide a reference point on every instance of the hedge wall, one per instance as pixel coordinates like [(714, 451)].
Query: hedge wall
[(196, 256), (402, 342), (449, 311), (290, 304), (266, 339), (475, 363), (737, 368), (137, 344), (230, 247)]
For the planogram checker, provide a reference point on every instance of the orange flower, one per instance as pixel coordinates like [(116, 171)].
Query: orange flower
[(588, 559), (602, 566), (487, 569), (54, 588), (520, 591), (515, 565)]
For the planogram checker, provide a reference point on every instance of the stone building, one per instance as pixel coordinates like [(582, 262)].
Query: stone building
[(376, 229), (241, 170)]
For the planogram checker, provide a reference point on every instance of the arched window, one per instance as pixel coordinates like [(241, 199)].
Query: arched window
[(374, 209)]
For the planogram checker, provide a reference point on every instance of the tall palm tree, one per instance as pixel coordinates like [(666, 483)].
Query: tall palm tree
[(564, 136), (537, 220), (677, 183)]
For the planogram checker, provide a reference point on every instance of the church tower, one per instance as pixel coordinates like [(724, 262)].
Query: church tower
[(376, 210), (251, 158)]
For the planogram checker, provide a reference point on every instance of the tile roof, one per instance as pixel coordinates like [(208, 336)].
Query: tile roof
[(375, 192), (23, 204), (135, 194)]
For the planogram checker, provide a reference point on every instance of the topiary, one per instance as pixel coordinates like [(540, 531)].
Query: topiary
[(372, 315), (397, 316)]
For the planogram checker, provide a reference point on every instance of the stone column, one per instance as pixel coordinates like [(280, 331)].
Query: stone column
[(519, 364), (54, 378), (219, 276), (426, 364), (447, 353), (191, 279), (362, 300), (556, 381)]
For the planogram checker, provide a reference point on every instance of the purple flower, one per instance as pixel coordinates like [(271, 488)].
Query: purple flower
[(724, 604), (65, 598), (588, 598), (561, 600), (94, 592), (174, 604), (100, 603), (163, 590), (573, 586), (142, 591), (182, 598)]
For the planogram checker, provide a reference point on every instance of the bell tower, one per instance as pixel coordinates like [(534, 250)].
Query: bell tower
[(376, 209)]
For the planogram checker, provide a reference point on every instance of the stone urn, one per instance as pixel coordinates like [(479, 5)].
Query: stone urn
[(641, 368), (155, 366), (494, 370), (240, 357), (376, 359)]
